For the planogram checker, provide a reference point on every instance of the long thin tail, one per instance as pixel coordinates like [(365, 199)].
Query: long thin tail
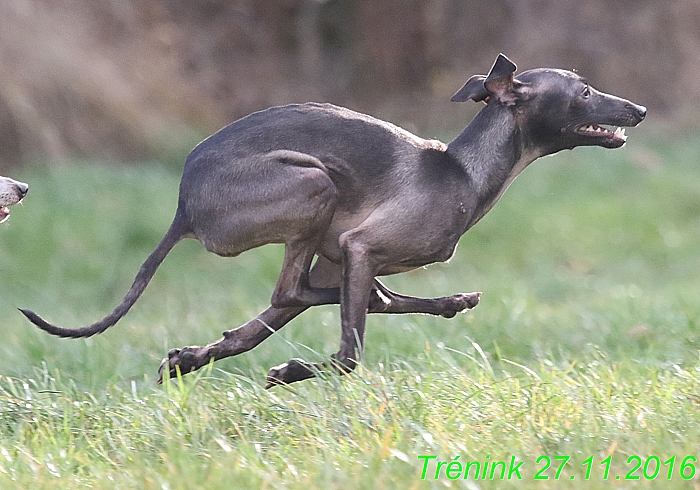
[(172, 237)]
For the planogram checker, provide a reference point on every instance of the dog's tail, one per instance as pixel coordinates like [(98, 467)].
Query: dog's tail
[(177, 232)]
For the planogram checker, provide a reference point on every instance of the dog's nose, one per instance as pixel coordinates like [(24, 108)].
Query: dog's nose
[(641, 111), (22, 188)]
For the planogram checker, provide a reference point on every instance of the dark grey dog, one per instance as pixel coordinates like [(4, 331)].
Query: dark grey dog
[(365, 197)]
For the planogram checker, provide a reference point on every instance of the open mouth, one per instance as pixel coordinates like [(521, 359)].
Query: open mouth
[(616, 138), (4, 214)]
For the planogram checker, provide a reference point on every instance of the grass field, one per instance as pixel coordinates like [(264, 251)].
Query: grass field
[(585, 345)]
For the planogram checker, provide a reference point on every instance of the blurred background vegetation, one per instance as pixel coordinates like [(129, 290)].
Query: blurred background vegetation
[(133, 80)]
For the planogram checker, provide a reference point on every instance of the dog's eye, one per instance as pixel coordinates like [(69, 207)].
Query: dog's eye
[(586, 92)]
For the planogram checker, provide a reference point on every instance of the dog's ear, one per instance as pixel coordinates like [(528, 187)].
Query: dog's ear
[(474, 89), (499, 83), (502, 68)]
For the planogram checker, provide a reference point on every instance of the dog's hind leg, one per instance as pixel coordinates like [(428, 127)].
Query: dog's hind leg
[(293, 286), (237, 341), (323, 275)]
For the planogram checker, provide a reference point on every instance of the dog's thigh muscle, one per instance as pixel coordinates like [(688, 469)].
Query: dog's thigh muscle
[(259, 200)]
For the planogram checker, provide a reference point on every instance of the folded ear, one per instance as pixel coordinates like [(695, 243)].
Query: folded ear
[(474, 89), (499, 83)]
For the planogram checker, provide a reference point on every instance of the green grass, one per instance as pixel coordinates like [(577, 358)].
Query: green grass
[(585, 343)]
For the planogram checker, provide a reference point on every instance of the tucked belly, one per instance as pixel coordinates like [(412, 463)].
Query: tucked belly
[(402, 254), (417, 262)]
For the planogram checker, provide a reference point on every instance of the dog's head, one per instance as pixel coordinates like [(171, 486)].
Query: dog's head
[(558, 109), (11, 192)]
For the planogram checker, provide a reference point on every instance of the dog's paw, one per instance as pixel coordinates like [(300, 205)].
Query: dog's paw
[(185, 360), (289, 372), (460, 302)]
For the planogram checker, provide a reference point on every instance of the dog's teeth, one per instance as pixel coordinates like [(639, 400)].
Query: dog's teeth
[(620, 133)]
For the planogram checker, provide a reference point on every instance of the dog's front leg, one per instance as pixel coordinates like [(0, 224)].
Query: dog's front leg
[(384, 300), (359, 268)]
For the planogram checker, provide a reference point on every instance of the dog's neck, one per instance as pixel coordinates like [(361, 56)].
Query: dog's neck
[(491, 152)]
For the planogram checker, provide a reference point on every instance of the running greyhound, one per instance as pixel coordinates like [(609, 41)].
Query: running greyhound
[(366, 198)]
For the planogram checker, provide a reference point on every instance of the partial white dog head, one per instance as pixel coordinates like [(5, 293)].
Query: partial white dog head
[(11, 192)]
